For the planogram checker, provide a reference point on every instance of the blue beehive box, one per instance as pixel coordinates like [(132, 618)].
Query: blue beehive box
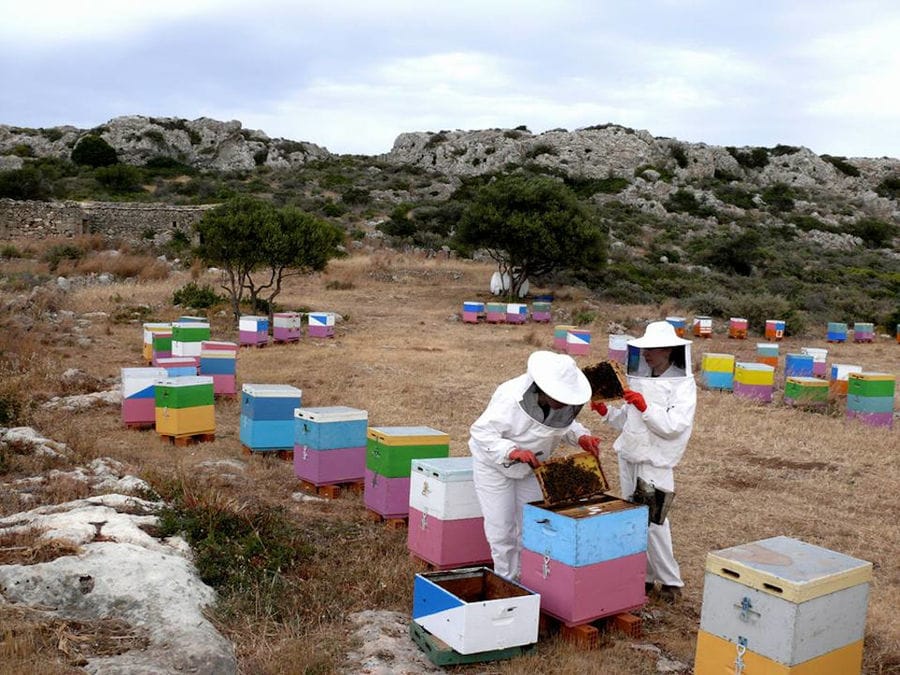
[(270, 401), (330, 427)]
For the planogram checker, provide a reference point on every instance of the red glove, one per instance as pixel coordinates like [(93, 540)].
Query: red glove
[(599, 407), (590, 444), (526, 456), (636, 399)]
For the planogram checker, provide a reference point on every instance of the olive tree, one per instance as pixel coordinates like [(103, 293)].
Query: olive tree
[(532, 225), (257, 246)]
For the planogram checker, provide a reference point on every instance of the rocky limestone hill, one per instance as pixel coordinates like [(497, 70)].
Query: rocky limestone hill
[(203, 143)]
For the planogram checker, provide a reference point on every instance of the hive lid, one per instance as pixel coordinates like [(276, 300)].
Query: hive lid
[(271, 390), (333, 413), (607, 379), (789, 568), (569, 478)]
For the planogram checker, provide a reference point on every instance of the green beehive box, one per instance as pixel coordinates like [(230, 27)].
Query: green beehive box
[(806, 390), (162, 342), (190, 332), (390, 450), (184, 392), (871, 384)]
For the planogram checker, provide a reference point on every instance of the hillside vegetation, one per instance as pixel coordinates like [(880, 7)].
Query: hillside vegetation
[(753, 232)]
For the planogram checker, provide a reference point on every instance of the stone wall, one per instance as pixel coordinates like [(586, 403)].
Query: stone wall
[(125, 221)]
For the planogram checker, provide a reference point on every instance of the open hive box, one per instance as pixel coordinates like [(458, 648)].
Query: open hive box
[(584, 550), (607, 379)]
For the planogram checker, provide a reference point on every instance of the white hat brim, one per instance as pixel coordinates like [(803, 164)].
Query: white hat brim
[(559, 377)]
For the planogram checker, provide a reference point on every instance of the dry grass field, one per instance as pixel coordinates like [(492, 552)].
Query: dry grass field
[(751, 471)]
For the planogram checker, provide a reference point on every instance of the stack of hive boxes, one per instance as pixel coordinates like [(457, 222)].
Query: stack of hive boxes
[(782, 606), (161, 344), (185, 406), (702, 326), (870, 398), (516, 312), (495, 312), (754, 380), (389, 455), (587, 558), (541, 311), (717, 371), (267, 416), (578, 342), (330, 444), (446, 528), (286, 326), (805, 392), (863, 332), (477, 614), (138, 397), (187, 337), (253, 331), (767, 353), (321, 324), (472, 311), (774, 329), (560, 333), (149, 330), (837, 332), (737, 328), (218, 359)]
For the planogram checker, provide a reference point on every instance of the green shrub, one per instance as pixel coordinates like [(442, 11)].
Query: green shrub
[(779, 197), (731, 194), (196, 296), (10, 251), (26, 183), (679, 154), (875, 233), (119, 177), (584, 317), (889, 188), (684, 201), (51, 135), (23, 150), (780, 150), (540, 149), (156, 136), (436, 139), (59, 252), (92, 150), (10, 409), (260, 156), (842, 165), (757, 158)]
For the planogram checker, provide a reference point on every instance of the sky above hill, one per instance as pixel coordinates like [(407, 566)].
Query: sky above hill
[(352, 75)]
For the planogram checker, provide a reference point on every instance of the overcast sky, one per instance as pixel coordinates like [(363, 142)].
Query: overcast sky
[(351, 75)]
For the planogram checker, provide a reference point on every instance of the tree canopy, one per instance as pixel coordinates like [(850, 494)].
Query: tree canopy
[(532, 225), (94, 151), (245, 236)]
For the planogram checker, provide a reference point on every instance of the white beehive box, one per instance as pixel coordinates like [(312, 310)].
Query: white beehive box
[(442, 487)]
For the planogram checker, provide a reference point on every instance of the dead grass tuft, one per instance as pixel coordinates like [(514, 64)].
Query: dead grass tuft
[(27, 548)]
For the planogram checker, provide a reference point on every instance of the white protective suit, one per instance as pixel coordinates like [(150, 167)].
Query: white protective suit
[(503, 487), (651, 444)]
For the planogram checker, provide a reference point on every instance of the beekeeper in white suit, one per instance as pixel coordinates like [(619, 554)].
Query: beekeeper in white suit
[(655, 424), (527, 418)]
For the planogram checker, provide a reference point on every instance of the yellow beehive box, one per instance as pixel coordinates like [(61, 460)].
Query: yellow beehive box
[(199, 419)]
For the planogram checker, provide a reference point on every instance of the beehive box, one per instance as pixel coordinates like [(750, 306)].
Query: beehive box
[(836, 332), (839, 378), (737, 328), (267, 416), (446, 527), (618, 348), (161, 344), (474, 610), (767, 354), (138, 394), (516, 312), (559, 336), (187, 336), (774, 329), (754, 381), (390, 450), (330, 444), (184, 406), (863, 332), (798, 365), (541, 311), (321, 324), (495, 312), (472, 311), (148, 330), (584, 551), (792, 606), (819, 357), (702, 326), (388, 497), (679, 323), (578, 342), (178, 366), (717, 371), (218, 359), (806, 392), (870, 398), (253, 330), (286, 326)]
